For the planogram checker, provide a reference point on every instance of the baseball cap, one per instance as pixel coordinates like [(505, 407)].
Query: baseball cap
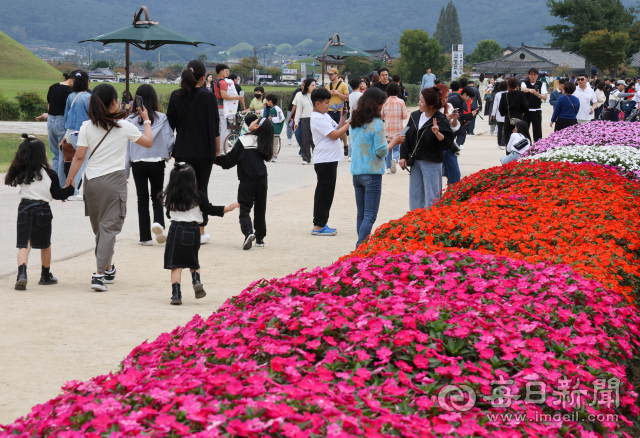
[(620, 82), (333, 71)]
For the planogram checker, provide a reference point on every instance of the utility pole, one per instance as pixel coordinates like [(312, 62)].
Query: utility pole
[(255, 60), (158, 65)]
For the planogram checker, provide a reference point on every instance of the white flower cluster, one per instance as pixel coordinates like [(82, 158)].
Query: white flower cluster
[(625, 157)]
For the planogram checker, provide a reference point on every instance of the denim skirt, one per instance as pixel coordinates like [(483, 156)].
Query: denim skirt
[(183, 244)]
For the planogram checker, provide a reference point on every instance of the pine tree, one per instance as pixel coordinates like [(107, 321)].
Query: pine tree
[(453, 35), (440, 32)]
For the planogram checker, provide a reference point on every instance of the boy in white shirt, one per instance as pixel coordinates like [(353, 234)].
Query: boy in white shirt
[(328, 151)]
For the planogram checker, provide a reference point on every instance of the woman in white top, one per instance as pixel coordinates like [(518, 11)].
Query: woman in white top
[(601, 98), (519, 142), (105, 138), (495, 114), (303, 108), (148, 165)]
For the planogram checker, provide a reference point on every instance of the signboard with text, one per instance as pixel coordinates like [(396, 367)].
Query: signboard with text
[(457, 61), (303, 68), (289, 71)]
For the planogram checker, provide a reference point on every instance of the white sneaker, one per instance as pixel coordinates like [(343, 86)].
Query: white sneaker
[(388, 171), (274, 160), (205, 238), (304, 163), (349, 159), (158, 230), (393, 166), (289, 142), (75, 198), (461, 146), (146, 242)]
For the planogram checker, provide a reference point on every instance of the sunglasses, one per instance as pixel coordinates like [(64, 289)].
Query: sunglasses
[(581, 79)]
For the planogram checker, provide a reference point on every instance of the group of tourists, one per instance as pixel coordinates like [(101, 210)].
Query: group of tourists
[(97, 146)]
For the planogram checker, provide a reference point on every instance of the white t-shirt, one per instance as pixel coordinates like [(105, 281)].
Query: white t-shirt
[(193, 215), (515, 138), (38, 190), (636, 97), (327, 150), (304, 107), (587, 98), (353, 100), (111, 155)]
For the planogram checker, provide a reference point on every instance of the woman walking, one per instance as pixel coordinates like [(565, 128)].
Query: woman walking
[(489, 97), (57, 102), (368, 157), (601, 98), (495, 114), (302, 107), (103, 141), (76, 112), (566, 110), (513, 106), (429, 135), (193, 113), (148, 164)]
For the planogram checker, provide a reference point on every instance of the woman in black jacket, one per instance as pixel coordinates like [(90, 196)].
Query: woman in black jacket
[(517, 106), (429, 135), (193, 113)]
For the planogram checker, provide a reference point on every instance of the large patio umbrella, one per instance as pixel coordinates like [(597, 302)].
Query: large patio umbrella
[(336, 50), (145, 35)]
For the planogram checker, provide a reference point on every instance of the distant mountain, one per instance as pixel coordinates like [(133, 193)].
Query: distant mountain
[(17, 62), (366, 25)]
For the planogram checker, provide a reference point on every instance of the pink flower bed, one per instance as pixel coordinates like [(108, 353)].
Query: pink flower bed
[(597, 133), (363, 348)]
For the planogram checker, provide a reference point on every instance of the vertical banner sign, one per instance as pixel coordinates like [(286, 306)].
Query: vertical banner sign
[(303, 70), (457, 61)]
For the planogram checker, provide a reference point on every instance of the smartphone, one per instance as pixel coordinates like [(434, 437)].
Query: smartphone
[(404, 130), (139, 103)]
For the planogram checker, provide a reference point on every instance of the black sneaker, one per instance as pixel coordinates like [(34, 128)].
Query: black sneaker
[(248, 241), (259, 243), (47, 279), (110, 276), (176, 295), (21, 280), (197, 285), (98, 283)]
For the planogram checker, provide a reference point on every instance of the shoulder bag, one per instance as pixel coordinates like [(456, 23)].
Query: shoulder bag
[(513, 120), (68, 151)]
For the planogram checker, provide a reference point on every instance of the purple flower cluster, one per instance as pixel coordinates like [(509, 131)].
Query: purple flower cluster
[(597, 133)]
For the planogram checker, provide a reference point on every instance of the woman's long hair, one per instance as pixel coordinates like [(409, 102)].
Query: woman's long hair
[(101, 99), (149, 100), (369, 106), (30, 158), (523, 128), (305, 85), (444, 98), (181, 193), (264, 134), (80, 81), (481, 78), (191, 75)]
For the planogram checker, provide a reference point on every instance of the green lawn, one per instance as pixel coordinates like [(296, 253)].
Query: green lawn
[(11, 87), (9, 145)]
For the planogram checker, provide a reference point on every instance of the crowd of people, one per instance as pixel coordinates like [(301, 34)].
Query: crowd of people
[(97, 146)]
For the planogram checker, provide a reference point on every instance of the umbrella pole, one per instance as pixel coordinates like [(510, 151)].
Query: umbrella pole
[(127, 74)]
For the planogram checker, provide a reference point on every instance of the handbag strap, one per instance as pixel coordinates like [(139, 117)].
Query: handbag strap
[(105, 136), (574, 107)]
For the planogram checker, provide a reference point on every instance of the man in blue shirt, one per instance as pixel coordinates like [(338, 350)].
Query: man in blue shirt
[(428, 80)]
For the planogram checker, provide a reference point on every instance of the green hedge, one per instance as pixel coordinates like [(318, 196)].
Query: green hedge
[(31, 106), (9, 109), (414, 94)]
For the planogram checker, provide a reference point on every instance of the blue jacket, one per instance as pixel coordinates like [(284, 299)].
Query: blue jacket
[(369, 148), (564, 109), (74, 117), (554, 96)]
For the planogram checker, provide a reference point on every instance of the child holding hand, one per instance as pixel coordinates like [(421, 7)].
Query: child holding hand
[(39, 185), (185, 205)]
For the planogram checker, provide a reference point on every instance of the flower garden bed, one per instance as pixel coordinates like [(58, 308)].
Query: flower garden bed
[(363, 348), (483, 316)]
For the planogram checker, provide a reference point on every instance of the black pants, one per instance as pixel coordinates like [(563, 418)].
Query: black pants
[(202, 168), (534, 119), (501, 141), (67, 168), (564, 123), (143, 175), (327, 174), (461, 134), (253, 194)]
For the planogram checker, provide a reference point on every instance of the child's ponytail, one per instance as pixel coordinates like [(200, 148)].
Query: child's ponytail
[(30, 159)]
